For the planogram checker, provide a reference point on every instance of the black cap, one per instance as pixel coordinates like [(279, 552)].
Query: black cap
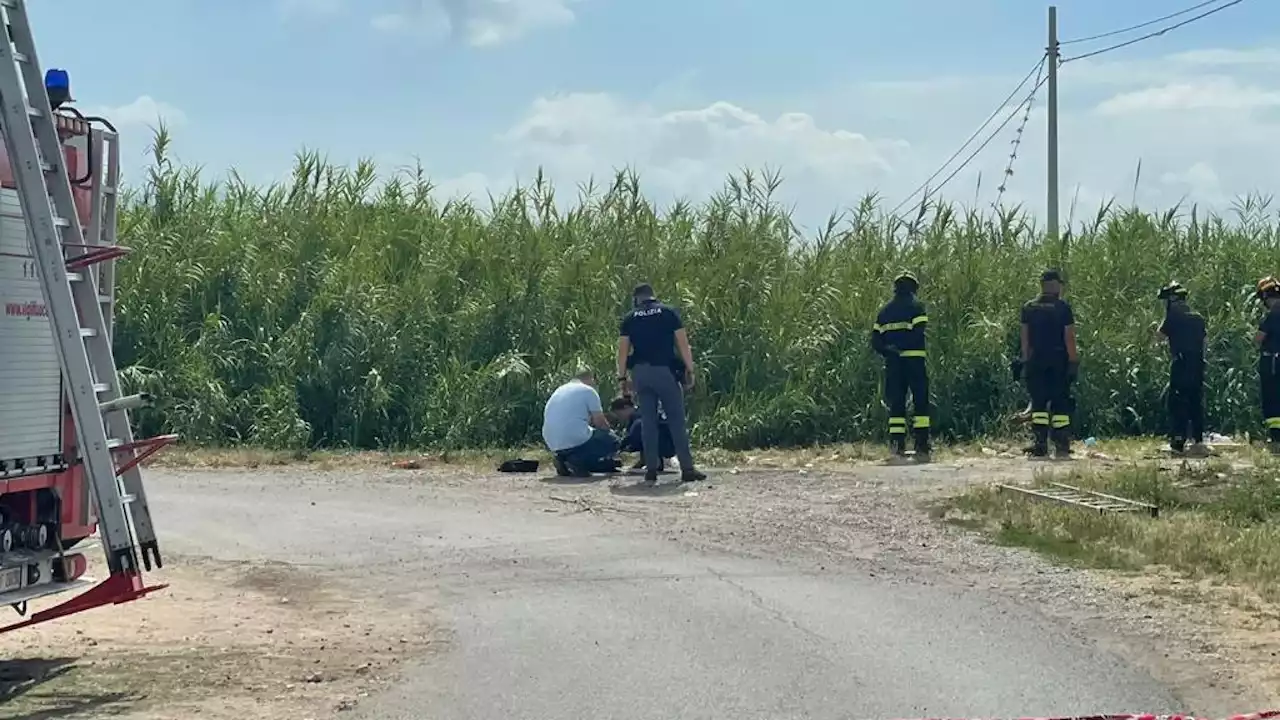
[(1050, 275), (642, 291)]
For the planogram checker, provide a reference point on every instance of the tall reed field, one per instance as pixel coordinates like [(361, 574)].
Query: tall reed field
[(344, 309)]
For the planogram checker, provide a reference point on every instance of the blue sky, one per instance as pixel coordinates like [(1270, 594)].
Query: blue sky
[(845, 98)]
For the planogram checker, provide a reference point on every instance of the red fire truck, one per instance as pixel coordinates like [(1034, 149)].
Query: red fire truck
[(69, 464)]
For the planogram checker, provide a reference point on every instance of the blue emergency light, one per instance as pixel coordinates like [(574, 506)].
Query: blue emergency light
[(58, 84)]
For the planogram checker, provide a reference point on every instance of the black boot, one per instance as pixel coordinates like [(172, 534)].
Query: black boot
[(898, 445), (1178, 445), (1062, 442), (922, 447), (1039, 442), (692, 475)]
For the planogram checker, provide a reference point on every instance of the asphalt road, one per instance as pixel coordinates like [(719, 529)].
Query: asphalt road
[(555, 615)]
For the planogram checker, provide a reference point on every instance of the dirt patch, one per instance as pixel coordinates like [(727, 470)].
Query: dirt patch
[(1242, 630), (223, 641)]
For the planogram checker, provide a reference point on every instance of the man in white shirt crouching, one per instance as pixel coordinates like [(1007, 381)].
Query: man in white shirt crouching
[(576, 430)]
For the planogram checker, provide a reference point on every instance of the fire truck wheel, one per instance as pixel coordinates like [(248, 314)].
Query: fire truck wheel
[(37, 537)]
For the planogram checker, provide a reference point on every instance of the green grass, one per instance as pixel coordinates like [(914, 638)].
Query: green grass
[(344, 310), (1216, 522)]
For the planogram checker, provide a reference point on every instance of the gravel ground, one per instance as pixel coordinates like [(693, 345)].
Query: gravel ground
[(273, 611)]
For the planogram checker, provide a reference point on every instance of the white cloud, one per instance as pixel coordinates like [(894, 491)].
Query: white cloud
[(1222, 93), (143, 112), (1227, 57), (473, 186), (479, 23), (1199, 180), (688, 152), (1203, 125)]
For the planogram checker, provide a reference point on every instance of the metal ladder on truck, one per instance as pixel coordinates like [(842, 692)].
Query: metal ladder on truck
[(76, 315)]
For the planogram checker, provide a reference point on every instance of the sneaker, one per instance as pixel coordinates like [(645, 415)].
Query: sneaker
[(650, 478), (1178, 446), (692, 476), (561, 469), (575, 471)]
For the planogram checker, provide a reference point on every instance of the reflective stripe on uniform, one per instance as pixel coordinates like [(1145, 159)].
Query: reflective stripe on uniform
[(913, 353), (890, 327), (1061, 421), (1273, 423), (920, 422), (917, 320), (1040, 418), (897, 426)]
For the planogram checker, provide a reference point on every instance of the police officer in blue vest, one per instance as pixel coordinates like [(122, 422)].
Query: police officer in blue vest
[(651, 339)]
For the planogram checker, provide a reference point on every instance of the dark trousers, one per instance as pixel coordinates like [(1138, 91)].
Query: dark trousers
[(634, 441), (1269, 374), (594, 455), (904, 375), (1186, 401), (654, 385), (1049, 385)]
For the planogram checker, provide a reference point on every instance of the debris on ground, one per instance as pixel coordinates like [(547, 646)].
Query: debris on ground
[(1084, 499)]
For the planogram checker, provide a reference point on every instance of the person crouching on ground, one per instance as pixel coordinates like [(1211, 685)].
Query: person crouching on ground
[(576, 430), (624, 409)]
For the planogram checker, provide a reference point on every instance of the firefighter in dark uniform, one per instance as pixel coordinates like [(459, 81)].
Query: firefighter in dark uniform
[(1050, 362), (1185, 331), (1268, 341), (899, 337)]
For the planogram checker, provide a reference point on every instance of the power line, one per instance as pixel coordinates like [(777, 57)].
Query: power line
[(1038, 68), (1139, 26), (1150, 35), (1017, 142), (1027, 100)]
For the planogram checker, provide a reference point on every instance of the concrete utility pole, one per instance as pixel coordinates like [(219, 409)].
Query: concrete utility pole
[(1052, 185)]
